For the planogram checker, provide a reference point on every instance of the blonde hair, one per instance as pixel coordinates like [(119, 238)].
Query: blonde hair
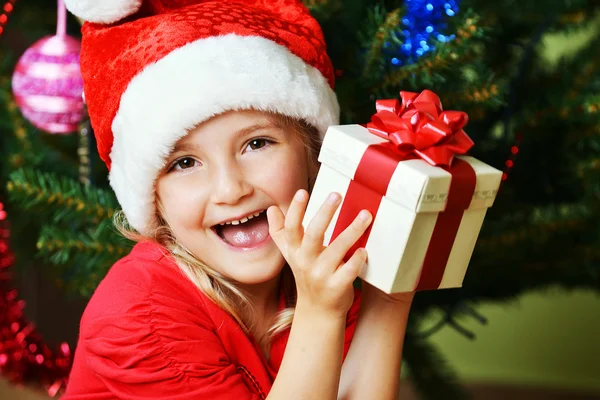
[(221, 290)]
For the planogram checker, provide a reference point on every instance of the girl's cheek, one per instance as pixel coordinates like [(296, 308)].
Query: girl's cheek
[(178, 197)]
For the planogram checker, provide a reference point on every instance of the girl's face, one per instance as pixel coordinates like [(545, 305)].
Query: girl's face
[(226, 170)]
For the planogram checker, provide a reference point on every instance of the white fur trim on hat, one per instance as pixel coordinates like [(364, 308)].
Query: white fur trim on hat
[(103, 11), (194, 83)]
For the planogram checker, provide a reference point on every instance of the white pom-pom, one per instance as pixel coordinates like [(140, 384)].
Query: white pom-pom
[(103, 11)]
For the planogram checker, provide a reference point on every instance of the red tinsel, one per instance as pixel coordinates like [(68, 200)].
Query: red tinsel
[(24, 357)]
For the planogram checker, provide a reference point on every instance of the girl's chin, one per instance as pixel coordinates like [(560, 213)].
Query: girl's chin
[(247, 282), (258, 272)]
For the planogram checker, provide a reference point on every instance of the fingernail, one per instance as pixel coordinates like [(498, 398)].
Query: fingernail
[(364, 215), (333, 198), (300, 195)]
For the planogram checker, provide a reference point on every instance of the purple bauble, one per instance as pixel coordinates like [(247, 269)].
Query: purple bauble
[(47, 84)]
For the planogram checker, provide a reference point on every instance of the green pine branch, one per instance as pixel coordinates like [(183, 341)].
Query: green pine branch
[(587, 136), (323, 9), (7, 62), (590, 106), (582, 109), (83, 256), (63, 198), (588, 168), (526, 221), (61, 245), (477, 97), (532, 233), (573, 20), (15, 124), (379, 28), (534, 11), (570, 90)]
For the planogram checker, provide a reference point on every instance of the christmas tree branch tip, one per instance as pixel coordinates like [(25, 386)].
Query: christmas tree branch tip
[(34, 189), (382, 27), (94, 248)]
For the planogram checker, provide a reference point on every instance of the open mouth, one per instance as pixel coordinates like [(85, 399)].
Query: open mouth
[(248, 232)]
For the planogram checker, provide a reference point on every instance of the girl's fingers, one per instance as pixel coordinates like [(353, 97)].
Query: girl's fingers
[(276, 221), (294, 231), (315, 232), (335, 252), (349, 271)]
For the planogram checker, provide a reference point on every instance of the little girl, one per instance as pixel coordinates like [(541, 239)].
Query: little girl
[(209, 115)]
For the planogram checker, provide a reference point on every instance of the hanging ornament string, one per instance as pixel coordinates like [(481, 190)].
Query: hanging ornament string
[(7, 8), (24, 357), (83, 151), (61, 23)]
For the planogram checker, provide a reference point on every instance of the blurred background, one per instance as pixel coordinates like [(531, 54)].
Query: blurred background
[(526, 323)]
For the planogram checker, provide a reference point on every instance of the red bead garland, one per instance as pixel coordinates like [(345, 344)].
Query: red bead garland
[(6, 10), (510, 161), (24, 357)]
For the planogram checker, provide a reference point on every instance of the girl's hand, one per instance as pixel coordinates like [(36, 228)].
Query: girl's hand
[(323, 280)]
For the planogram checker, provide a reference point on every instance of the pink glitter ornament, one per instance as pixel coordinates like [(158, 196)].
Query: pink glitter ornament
[(47, 82)]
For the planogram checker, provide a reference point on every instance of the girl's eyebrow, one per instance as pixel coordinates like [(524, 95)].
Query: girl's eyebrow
[(184, 147), (191, 147), (252, 128)]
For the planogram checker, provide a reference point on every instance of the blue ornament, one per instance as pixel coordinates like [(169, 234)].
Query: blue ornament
[(424, 20)]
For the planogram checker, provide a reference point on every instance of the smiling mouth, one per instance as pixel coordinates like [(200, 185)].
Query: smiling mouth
[(246, 233)]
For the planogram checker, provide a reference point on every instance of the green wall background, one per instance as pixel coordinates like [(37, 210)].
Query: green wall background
[(547, 339)]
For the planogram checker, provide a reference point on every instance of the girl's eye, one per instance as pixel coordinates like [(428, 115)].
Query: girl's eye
[(257, 144), (184, 163)]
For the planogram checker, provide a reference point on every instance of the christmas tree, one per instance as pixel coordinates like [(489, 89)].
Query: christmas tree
[(538, 122)]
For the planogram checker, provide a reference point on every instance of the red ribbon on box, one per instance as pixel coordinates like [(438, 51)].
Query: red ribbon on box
[(417, 128)]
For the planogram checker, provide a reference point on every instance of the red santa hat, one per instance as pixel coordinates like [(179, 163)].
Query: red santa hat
[(154, 69)]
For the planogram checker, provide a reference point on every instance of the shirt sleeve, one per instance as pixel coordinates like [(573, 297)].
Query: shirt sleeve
[(144, 343)]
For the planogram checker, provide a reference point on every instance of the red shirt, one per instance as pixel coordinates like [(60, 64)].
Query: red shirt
[(149, 333)]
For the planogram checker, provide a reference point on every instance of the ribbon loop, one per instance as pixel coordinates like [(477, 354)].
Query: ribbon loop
[(418, 126)]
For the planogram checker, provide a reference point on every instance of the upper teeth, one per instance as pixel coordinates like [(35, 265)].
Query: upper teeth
[(241, 221)]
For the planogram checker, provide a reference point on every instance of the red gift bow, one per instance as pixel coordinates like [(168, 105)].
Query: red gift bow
[(419, 126)]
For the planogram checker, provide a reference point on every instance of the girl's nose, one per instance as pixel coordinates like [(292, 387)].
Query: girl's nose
[(230, 186)]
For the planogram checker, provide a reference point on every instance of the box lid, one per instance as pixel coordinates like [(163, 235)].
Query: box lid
[(415, 184)]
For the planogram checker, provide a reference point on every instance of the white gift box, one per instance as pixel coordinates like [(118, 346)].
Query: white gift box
[(411, 245)]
